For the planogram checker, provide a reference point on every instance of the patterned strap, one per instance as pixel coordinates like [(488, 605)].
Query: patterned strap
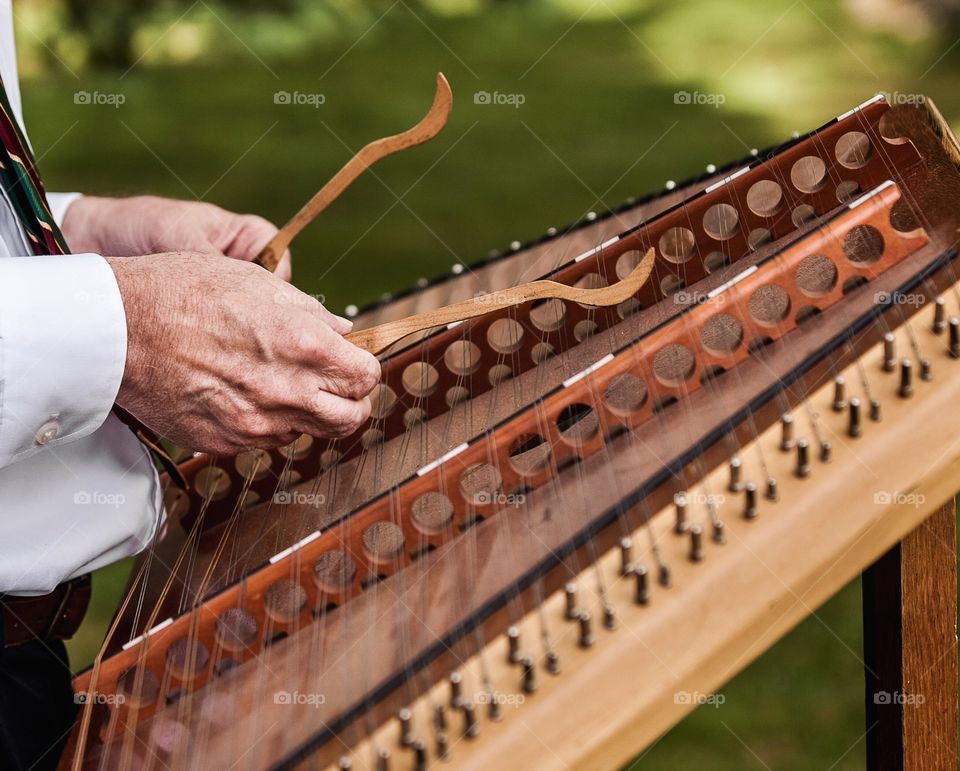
[(21, 181)]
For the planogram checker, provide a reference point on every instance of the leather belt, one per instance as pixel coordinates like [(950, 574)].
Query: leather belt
[(53, 616)]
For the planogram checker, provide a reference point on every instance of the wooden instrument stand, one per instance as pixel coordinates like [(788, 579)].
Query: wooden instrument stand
[(910, 650)]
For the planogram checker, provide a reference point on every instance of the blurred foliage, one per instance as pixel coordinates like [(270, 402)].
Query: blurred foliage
[(201, 118)]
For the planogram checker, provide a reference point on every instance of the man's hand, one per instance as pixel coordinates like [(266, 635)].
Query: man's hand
[(222, 356), (148, 224)]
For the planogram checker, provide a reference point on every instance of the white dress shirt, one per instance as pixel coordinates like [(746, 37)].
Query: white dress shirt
[(77, 489)]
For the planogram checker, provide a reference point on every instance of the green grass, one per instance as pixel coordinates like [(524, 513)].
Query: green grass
[(598, 124)]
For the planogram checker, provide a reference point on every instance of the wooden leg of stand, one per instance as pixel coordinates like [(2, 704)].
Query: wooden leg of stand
[(910, 650)]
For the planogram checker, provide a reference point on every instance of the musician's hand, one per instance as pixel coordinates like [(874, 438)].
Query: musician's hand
[(222, 356), (148, 224)]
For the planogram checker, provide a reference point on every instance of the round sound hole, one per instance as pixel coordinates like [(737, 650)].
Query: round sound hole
[(627, 262), (548, 315), (420, 379), (625, 394), (721, 221), (480, 484), (505, 335), (285, 600), (529, 454), (769, 305), (854, 150), (139, 686), (809, 174), (462, 357), (673, 364), (383, 401), (187, 657), (816, 275), (212, 483), (863, 245), (432, 513), (383, 541), (677, 245), (577, 423), (298, 448), (722, 334), (847, 191), (253, 464), (334, 571), (765, 198), (456, 395), (236, 629)]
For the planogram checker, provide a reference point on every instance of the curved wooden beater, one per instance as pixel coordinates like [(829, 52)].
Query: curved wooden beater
[(379, 338), (428, 127)]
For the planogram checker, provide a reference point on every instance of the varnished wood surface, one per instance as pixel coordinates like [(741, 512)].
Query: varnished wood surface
[(377, 339), (910, 649)]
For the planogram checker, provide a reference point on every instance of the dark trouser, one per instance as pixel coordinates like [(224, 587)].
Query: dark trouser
[(36, 705)]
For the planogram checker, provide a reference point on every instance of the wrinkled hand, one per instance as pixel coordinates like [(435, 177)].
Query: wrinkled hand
[(149, 224), (223, 357)]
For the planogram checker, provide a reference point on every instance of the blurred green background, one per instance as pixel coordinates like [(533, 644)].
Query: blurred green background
[(181, 99)]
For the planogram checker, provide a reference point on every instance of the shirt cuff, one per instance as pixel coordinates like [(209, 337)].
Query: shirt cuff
[(59, 203), (63, 346)]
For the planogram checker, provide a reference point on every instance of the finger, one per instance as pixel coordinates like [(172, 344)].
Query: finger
[(338, 366), (320, 357), (317, 310), (331, 416), (284, 269), (251, 234)]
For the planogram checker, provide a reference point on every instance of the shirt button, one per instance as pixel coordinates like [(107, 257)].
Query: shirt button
[(48, 432)]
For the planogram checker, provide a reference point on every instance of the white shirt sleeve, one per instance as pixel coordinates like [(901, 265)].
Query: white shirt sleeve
[(63, 343), (59, 202)]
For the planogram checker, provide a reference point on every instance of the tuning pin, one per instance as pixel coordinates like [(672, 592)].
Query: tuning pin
[(529, 675), (718, 532), (839, 393), (906, 379), (419, 755), (926, 370), (440, 718), (889, 353), (405, 716), (787, 441), (750, 501), (955, 337), (663, 575), (470, 726), (939, 315), (609, 617), (641, 595), (383, 759), (803, 459), (493, 705), (875, 414), (853, 424), (736, 472), (513, 645), (696, 543), (443, 750), (570, 593), (586, 629), (456, 690), (626, 555), (771, 493), (552, 662), (680, 506), (826, 451), (344, 763)]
